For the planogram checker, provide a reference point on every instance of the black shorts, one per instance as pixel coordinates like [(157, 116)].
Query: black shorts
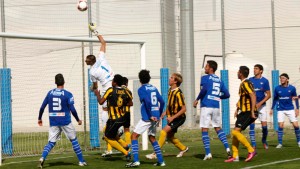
[(244, 119), (176, 123), (112, 127), (127, 120)]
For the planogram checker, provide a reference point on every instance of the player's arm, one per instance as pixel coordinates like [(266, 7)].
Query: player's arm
[(296, 103), (224, 92), (42, 108), (181, 102), (275, 100), (74, 113), (93, 28), (202, 92), (145, 100), (100, 99), (161, 103)]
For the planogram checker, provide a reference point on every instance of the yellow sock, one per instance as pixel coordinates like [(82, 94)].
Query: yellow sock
[(122, 142), (116, 145), (162, 138), (177, 143), (235, 147), (108, 147), (242, 139), (127, 137)]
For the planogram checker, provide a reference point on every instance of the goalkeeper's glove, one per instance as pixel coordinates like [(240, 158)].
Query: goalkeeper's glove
[(93, 27)]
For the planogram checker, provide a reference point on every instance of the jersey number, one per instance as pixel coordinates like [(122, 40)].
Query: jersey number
[(56, 104), (216, 89), (153, 98)]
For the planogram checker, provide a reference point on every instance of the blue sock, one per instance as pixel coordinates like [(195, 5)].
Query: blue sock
[(157, 152), (252, 134), (280, 134), (206, 142), (264, 134), (223, 138), (77, 149), (297, 133), (47, 149), (135, 150)]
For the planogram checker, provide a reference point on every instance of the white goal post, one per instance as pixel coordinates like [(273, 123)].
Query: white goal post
[(74, 39)]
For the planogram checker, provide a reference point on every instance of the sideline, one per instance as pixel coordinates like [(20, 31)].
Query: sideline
[(261, 165)]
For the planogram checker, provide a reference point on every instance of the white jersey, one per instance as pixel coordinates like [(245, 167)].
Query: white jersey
[(101, 70)]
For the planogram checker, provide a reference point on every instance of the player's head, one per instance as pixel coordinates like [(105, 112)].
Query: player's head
[(118, 80), (90, 59), (175, 78), (243, 72), (211, 67), (59, 79), (258, 69), (144, 76), (284, 78), (125, 81)]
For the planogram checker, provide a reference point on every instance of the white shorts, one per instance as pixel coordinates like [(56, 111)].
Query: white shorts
[(208, 115), (262, 115), (104, 88), (55, 132), (289, 113), (142, 126)]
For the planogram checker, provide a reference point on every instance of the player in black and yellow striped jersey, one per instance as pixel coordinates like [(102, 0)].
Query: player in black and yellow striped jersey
[(248, 114), (126, 124), (175, 116), (116, 97)]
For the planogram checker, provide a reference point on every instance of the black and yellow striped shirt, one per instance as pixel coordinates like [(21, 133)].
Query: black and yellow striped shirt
[(246, 88), (175, 102), (116, 100), (127, 108)]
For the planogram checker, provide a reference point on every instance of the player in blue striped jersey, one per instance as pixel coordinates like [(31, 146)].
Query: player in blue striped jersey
[(283, 100), (152, 105), (262, 90), (60, 103), (212, 91)]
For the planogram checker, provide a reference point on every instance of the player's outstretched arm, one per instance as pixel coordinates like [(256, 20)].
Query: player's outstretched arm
[(93, 28)]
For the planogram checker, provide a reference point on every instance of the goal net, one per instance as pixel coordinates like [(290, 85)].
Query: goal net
[(33, 64)]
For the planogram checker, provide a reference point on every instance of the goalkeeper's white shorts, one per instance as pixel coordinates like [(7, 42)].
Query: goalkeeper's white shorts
[(55, 132)]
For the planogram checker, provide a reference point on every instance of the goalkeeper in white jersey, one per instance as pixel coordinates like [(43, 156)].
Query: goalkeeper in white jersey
[(100, 71)]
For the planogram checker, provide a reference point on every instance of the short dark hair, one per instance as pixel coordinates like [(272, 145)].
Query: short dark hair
[(144, 76), (92, 58), (244, 70), (118, 79), (59, 79), (125, 80), (260, 67), (212, 64), (285, 75)]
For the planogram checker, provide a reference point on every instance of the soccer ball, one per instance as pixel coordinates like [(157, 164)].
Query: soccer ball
[(82, 5)]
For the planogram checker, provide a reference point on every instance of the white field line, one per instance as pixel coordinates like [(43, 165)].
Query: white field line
[(48, 159), (272, 163)]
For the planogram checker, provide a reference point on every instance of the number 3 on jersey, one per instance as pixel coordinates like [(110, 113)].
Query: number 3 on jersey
[(56, 104), (153, 98), (216, 89)]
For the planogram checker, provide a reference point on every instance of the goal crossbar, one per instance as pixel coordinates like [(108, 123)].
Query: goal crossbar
[(65, 38)]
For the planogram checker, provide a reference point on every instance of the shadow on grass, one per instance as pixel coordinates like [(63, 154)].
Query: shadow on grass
[(59, 163)]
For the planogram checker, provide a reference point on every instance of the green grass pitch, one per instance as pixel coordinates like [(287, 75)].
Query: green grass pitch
[(287, 157)]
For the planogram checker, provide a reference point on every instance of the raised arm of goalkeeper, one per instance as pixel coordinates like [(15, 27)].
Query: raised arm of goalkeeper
[(93, 28)]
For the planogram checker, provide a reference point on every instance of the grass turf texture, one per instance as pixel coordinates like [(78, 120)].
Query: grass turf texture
[(193, 159)]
